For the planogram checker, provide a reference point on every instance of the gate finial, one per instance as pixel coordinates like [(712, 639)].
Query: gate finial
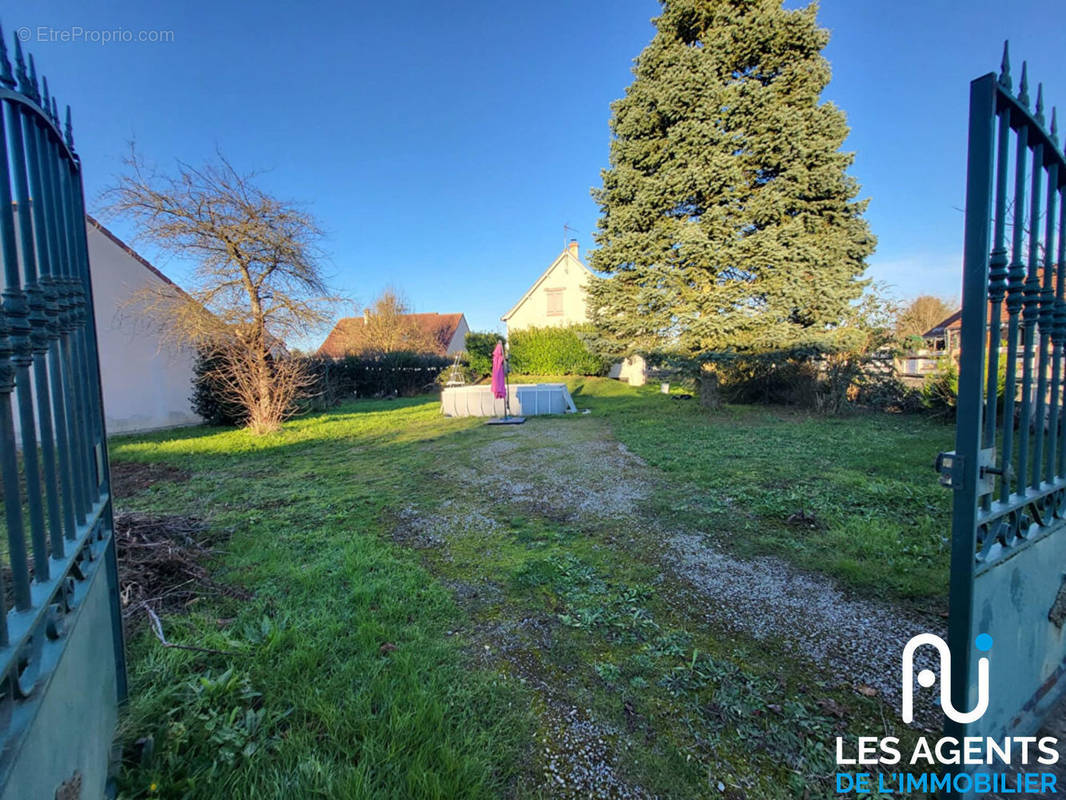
[(1040, 103), (1054, 127), (6, 78), (54, 112), (20, 69), (1004, 67), (1023, 86), (46, 99), (69, 131), (35, 89)]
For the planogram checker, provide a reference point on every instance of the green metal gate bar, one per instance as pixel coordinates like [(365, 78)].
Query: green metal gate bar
[(53, 449), (1008, 470)]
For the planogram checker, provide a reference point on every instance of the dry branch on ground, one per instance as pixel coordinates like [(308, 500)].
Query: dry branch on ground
[(161, 565)]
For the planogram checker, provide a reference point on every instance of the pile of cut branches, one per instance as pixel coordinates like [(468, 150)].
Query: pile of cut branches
[(160, 563)]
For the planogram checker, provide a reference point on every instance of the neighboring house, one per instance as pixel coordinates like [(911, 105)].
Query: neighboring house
[(944, 340), (940, 342), (447, 331), (944, 336), (556, 298), (559, 298), (146, 384)]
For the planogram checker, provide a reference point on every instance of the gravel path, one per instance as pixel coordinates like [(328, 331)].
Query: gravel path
[(578, 761), (577, 470), (859, 641), (574, 470)]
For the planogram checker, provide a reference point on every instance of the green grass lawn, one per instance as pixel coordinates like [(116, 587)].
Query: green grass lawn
[(881, 521), (414, 633)]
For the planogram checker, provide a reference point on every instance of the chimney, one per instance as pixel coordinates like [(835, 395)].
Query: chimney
[(366, 316), (572, 247)]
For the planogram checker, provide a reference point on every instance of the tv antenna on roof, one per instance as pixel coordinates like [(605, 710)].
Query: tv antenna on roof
[(567, 230)]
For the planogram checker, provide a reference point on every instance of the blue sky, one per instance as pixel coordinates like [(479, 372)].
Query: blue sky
[(443, 146)]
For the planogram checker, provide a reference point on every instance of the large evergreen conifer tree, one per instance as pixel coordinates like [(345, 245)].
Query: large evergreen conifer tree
[(728, 220)]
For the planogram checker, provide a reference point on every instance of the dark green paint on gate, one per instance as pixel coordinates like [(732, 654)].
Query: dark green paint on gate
[(1008, 470), (58, 595)]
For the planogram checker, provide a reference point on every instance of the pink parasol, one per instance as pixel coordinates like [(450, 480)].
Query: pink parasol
[(499, 375)]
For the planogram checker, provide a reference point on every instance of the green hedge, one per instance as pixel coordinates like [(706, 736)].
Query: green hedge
[(400, 374), (479, 347), (554, 351), (330, 381)]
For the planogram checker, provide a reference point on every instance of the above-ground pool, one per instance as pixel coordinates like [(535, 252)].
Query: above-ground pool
[(526, 400)]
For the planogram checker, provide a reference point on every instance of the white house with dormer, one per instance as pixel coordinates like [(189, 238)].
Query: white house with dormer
[(559, 298), (556, 298)]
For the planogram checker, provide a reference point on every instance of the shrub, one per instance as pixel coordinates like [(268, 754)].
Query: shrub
[(554, 351), (209, 396), (385, 375), (940, 392), (886, 392), (777, 379), (479, 347), (828, 383), (228, 386)]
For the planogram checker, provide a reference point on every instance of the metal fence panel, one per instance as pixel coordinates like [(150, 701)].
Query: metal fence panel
[(61, 656), (1008, 470)]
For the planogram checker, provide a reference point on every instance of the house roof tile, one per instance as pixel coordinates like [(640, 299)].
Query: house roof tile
[(348, 336)]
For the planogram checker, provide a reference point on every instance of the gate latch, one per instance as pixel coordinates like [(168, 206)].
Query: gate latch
[(949, 465), (986, 471)]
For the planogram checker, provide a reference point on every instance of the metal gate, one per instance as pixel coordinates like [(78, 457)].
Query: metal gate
[(61, 661), (1008, 470)]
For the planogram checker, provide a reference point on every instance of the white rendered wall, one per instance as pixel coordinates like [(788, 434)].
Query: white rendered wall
[(568, 275), (146, 385)]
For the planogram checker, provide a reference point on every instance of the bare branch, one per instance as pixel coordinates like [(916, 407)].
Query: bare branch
[(257, 281)]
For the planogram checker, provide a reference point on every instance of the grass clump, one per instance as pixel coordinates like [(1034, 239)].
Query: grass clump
[(341, 657)]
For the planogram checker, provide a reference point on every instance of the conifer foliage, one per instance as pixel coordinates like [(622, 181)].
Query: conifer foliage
[(728, 221)]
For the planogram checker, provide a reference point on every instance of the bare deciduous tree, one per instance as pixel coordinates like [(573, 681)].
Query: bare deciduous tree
[(922, 314), (388, 328), (257, 282)]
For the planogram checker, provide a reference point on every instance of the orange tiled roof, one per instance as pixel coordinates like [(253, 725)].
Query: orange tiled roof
[(347, 335), (953, 322)]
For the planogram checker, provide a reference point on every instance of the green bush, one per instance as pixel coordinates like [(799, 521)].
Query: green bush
[(208, 397), (828, 383), (940, 392), (479, 347), (398, 374), (777, 379), (886, 392), (554, 351)]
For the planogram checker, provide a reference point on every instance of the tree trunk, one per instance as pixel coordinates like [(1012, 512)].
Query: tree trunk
[(710, 398)]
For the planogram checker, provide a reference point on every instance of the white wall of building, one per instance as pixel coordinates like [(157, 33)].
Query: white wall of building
[(565, 281), (458, 342), (146, 385), (559, 298)]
